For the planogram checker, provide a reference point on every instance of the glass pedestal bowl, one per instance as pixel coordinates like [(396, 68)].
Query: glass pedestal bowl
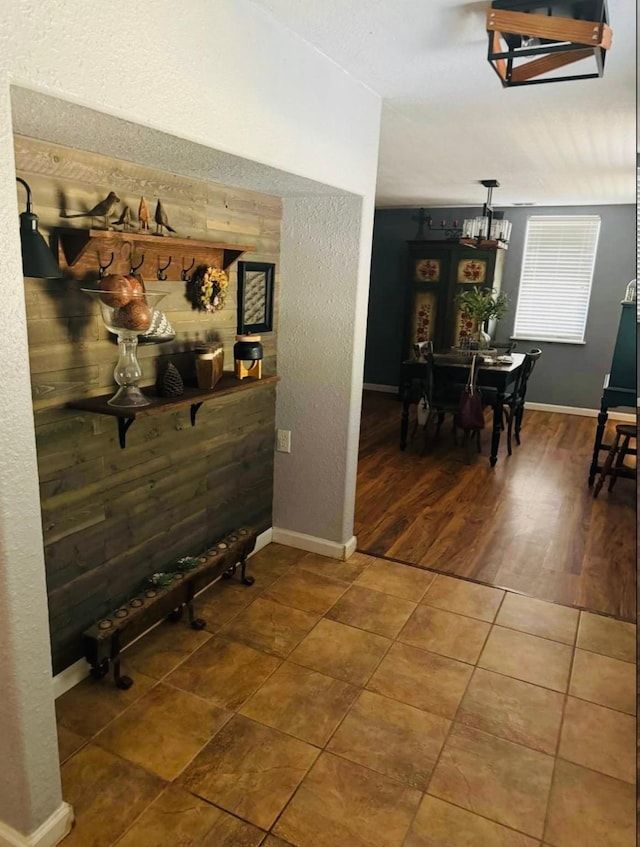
[(127, 315)]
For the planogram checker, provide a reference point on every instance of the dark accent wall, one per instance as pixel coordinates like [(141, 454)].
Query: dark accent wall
[(567, 374), (112, 517)]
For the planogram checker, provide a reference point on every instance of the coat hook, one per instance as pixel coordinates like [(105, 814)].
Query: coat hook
[(134, 268), (160, 274), (104, 268), (184, 273)]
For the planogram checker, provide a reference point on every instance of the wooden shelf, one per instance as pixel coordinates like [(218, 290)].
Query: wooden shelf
[(84, 250), (192, 396)]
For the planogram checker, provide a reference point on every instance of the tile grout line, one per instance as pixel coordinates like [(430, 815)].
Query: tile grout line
[(476, 581), (319, 750), (474, 666), (212, 633), (235, 713), (231, 714), (362, 687), (138, 817), (453, 721), (323, 749), (162, 680), (559, 739), (156, 681)]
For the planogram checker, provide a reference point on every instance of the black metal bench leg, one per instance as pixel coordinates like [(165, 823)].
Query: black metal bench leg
[(123, 682), (246, 580), (196, 623), (100, 670), (175, 615)]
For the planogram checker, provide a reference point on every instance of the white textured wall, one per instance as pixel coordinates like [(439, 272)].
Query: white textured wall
[(220, 73), (321, 341), (29, 779)]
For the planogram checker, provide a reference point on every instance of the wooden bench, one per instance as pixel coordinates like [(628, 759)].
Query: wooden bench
[(104, 641)]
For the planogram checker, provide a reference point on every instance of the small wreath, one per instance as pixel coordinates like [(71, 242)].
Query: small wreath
[(207, 289)]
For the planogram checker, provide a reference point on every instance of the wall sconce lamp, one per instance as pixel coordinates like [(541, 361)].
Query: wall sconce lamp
[(491, 229), (37, 258), (547, 35)]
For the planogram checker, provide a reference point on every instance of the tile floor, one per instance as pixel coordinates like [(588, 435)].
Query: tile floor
[(360, 704)]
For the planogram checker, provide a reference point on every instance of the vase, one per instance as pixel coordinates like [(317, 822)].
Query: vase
[(127, 316), (480, 339)]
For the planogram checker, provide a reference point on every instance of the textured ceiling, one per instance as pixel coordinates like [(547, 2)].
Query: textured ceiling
[(446, 120), (38, 115)]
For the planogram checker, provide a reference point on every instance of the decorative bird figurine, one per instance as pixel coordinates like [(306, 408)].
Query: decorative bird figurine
[(143, 214), (102, 209), (161, 219), (124, 220)]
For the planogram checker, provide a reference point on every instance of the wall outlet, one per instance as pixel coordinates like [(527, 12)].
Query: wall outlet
[(283, 440)]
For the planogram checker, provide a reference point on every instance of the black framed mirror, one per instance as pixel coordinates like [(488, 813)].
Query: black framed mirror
[(255, 297)]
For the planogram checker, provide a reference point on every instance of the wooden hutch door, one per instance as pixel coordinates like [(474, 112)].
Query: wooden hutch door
[(437, 270)]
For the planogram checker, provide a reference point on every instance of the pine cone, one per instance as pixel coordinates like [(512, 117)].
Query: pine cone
[(170, 383)]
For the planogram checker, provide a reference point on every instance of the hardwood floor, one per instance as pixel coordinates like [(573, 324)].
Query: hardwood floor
[(530, 524)]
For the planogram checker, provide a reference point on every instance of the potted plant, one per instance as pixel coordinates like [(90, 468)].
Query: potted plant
[(481, 304)]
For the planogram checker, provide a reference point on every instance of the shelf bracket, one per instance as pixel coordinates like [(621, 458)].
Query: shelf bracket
[(194, 412), (123, 426)]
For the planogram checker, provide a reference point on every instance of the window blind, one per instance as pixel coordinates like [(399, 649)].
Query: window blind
[(556, 277)]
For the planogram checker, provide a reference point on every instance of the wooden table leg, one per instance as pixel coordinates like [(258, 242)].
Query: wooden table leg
[(497, 428), (602, 419)]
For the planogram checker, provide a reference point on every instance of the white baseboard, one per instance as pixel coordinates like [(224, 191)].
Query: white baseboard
[(69, 677), (51, 832), (614, 415), (76, 672), (262, 540), (350, 547), (387, 389), (313, 544)]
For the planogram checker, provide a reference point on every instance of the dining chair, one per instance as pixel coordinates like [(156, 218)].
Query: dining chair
[(515, 400), (614, 465)]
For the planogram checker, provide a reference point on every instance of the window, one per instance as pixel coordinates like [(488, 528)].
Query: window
[(555, 283)]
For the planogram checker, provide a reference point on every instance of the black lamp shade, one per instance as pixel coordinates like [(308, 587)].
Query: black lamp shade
[(37, 258)]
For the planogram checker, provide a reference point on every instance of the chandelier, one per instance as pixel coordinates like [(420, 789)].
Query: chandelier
[(490, 229)]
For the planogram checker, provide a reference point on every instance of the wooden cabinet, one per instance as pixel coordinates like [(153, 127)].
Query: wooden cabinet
[(623, 364), (436, 272)]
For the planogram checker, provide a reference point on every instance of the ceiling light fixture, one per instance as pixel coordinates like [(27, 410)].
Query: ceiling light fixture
[(490, 229), (37, 259), (531, 38)]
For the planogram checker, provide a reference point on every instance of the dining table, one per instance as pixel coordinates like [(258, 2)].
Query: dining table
[(497, 375)]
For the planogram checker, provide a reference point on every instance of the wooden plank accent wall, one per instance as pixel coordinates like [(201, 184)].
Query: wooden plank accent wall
[(110, 516)]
